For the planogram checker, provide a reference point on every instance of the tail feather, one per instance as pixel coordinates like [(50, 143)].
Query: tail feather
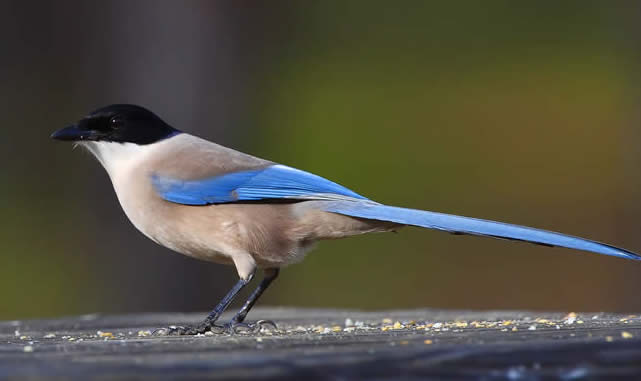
[(473, 226)]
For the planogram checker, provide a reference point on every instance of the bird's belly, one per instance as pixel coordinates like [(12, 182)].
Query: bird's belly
[(170, 226), (192, 244), (213, 233), (168, 232)]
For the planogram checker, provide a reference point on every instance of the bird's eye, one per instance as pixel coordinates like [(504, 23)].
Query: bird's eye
[(115, 122)]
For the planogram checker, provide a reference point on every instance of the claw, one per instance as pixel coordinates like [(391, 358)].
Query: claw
[(168, 331), (230, 328), (217, 329), (266, 324), (184, 331), (160, 332), (249, 328), (240, 328)]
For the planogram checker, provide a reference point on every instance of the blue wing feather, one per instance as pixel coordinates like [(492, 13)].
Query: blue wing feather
[(473, 226), (273, 182), (281, 182)]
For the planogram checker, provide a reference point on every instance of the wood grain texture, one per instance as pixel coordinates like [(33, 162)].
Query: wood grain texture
[(330, 344)]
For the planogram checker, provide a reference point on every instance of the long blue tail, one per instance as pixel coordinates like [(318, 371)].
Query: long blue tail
[(466, 225)]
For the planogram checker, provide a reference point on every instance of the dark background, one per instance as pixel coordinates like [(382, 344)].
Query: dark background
[(526, 112)]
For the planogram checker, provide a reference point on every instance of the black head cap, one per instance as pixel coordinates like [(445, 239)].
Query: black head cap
[(122, 123)]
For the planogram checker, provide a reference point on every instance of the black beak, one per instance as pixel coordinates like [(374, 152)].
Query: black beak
[(71, 133)]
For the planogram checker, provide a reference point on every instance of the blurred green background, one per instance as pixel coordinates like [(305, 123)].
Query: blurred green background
[(525, 112)]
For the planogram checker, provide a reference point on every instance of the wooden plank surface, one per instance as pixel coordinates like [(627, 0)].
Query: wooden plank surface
[(329, 344)]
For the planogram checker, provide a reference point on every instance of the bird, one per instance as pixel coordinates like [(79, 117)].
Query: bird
[(217, 204)]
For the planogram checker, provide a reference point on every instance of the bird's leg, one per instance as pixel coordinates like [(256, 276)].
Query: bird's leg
[(208, 323), (237, 320), (246, 268)]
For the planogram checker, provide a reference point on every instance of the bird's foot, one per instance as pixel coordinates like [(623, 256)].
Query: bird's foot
[(232, 327), (249, 328), (189, 331)]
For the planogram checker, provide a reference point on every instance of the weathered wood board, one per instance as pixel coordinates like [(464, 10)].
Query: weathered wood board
[(329, 344)]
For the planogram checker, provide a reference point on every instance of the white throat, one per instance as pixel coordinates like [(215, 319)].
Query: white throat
[(117, 158)]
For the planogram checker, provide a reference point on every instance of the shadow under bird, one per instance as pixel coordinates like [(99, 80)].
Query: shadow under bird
[(217, 204)]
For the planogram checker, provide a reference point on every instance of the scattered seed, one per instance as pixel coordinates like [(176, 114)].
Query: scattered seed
[(105, 334), (570, 318)]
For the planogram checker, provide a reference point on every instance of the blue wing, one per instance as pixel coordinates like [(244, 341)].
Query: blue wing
[(273, 182), (466, 225), (281, 182)]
